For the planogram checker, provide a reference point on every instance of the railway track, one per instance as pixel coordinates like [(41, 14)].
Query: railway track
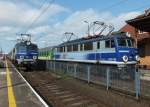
[(59, 93), (64, 91)]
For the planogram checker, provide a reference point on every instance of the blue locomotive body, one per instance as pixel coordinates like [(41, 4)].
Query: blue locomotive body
[(25, 53), (115, 49)]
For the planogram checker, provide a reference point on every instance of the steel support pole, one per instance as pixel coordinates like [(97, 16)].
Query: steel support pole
[(67, 69), (137, 83), (108, 78), (75, 70), (88, 73), (54, 67), (46, 65)]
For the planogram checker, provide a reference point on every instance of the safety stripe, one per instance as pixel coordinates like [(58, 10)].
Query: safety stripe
[(11, 98)]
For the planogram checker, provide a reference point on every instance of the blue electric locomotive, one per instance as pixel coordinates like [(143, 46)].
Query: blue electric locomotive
[(115, 49), (25, 53)]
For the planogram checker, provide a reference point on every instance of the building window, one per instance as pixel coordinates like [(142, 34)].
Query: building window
[(141, 48), (141, 32), (88, 46)]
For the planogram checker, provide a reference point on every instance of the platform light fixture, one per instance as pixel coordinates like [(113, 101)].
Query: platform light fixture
[(88, 27)]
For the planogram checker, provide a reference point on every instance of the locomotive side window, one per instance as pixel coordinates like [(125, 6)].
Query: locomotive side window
[(58, 49), (55, 49), (75, 47), (69, 48), (112, 43), (102, 44), (98, 45), (107, 44), (61, 49), (81, 47), (46, 53), (64, 49), (88, 46)]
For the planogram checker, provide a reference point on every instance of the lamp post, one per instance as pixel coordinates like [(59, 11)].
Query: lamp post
[(88, 27)]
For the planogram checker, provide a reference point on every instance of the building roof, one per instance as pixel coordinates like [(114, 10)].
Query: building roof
[(142, 22)]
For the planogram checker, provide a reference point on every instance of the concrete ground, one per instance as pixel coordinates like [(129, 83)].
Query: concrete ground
[(14, 92)]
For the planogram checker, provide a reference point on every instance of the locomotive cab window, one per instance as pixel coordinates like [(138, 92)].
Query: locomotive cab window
[(22, 48), (32, 48), (109, 44), (131, 43), (122, 42)]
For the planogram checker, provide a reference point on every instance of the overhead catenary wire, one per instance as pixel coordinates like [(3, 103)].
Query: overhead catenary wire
[(41, 13), (28, 20), (40, 7), (138, 8), (113, 5), (106, 8)]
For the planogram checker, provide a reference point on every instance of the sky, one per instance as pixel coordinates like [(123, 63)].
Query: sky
[(48, 20)]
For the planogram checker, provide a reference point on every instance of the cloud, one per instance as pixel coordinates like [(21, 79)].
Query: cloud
[(17, 15), (119, 21), (12, 14)]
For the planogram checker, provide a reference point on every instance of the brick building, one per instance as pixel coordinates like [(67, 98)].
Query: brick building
[(139, 28)]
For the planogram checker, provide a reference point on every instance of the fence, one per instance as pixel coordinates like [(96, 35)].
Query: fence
[(125, 80), (145, 83)]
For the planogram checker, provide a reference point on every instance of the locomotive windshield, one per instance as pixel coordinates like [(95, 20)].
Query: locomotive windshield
[(25, 48), (21, 48), (32, 48), (125, 42)]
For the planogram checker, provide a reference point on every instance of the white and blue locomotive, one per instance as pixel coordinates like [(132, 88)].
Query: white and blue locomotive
[(24, 53), (115, 49)]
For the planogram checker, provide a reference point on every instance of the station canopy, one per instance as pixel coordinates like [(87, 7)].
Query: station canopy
[(142, 22)]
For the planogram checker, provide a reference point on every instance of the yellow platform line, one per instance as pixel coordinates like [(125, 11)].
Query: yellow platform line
[(11, 98)]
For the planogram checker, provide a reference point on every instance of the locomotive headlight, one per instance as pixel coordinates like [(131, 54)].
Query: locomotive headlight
[(137, 58), (34, 57), (21, 57), (125, 58), (28, 43)]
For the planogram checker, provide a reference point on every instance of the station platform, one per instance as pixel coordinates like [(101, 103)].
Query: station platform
[(15, 91)]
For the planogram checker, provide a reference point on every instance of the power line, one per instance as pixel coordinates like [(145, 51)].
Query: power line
[(114, 5), (28, 20), (42, 12), (144, 6), (41, 6)]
